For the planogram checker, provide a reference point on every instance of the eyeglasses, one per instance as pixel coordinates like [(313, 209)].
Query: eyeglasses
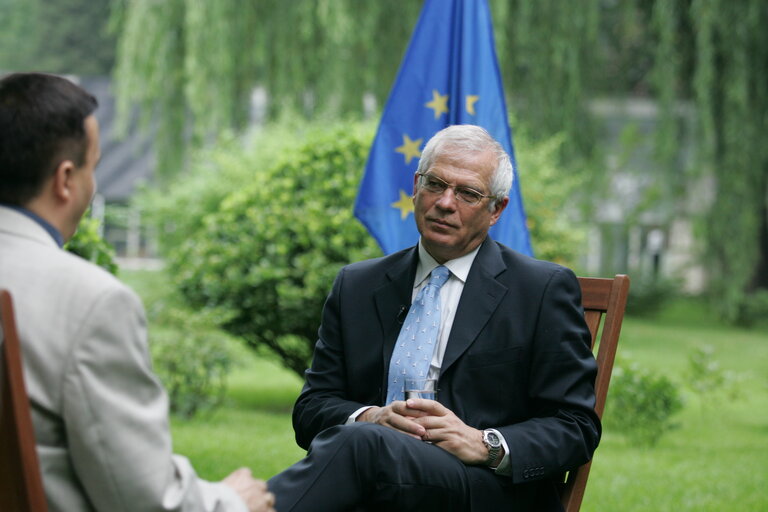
[(435, 185)]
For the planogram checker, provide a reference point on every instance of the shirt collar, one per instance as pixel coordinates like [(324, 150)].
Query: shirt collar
[(47, 226), (459, 267)]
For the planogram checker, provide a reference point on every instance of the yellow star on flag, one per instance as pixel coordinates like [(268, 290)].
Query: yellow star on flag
[(471, 100), (439, 103), (410, 148), (404, 204)]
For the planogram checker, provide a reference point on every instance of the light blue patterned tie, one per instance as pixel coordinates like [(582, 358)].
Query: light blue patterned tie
[(418, 336)]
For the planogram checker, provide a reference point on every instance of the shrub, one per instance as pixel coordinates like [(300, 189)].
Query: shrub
[(178, 209), (548, 193), (648, 296), (751, 309), (704, 374), (641, 404), (266, 257), (191, 356), (88, 244), (706, 378)]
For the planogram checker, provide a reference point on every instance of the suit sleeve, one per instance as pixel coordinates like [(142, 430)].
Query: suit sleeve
[(116, 417), (324, 401), (563, 430)]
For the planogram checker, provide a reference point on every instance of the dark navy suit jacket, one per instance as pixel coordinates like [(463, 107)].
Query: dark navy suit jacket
[(518, 358)]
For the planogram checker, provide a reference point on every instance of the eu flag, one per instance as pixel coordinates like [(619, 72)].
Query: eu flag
[(449, 76)]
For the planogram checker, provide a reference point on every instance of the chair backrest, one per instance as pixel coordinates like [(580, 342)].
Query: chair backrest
[(21, 486), (603, 299)]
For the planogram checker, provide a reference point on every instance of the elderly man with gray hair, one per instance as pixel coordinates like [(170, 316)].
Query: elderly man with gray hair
[(502, 334)]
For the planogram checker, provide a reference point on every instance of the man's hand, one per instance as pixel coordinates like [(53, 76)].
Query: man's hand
[(253, 492), (444, 429), (397, 416)]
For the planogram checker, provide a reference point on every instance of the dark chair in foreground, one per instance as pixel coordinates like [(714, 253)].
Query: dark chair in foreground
[(21, 486), (603, 299)]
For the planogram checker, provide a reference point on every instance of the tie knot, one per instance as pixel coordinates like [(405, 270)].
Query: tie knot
[(439, 276)]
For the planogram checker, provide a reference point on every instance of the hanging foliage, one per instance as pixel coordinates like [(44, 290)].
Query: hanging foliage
[(546, 53), (192, 65), (731, 92), (65, 36)]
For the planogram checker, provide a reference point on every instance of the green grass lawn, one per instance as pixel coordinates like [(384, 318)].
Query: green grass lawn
[(716, 460), (253, 427)]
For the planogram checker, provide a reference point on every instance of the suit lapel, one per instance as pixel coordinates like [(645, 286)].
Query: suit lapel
[(479, 300), (391, 299)]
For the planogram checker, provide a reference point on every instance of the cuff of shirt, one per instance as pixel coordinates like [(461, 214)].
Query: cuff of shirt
[(353, 417)]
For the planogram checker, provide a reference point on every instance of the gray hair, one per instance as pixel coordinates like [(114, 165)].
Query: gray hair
[(471, 139)]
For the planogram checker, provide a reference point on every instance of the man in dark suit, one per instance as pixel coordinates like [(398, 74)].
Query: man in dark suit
[(510, 349)]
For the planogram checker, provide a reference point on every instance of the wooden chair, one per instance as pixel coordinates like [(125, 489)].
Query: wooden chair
[(603, 299), (21, 486)]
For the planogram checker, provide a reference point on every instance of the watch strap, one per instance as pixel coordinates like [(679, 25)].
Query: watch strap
[(494, 449)]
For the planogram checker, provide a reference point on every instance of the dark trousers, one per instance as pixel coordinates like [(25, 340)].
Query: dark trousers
[(369, 467)]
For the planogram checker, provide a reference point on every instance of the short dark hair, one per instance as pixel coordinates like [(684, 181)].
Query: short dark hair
[(42, 122)]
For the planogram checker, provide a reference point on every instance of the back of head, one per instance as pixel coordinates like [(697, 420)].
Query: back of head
[(41, 123)]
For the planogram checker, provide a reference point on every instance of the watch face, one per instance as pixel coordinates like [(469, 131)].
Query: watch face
[(492, 438)]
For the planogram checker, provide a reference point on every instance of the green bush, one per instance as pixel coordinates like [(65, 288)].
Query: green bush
[(548, 196), (191, 356), (641, 404), (648, 296), (751, 309), (704, 374), (265, 258), (707, 378), (178, 209), (88, 244)]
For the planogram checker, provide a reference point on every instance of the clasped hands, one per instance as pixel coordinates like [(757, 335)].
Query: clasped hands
[(431, 421)]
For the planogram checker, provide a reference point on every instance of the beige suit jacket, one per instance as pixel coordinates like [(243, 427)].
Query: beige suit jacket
[(99, 412)]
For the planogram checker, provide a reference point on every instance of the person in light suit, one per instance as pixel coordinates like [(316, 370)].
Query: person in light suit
[(100, 414), (515, 404)]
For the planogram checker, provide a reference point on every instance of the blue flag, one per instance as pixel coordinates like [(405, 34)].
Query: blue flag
[(449, 76)]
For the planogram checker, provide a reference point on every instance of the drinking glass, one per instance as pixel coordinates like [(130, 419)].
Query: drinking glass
[(421, 388)]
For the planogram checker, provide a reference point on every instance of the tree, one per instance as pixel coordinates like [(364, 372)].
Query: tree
[(66, 36), (730, 86), (195, 63)]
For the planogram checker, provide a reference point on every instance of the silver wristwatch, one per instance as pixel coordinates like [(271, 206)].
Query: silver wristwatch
[(492, 441)]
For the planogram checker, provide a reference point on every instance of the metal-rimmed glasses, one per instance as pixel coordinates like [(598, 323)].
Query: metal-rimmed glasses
[(435, 185)]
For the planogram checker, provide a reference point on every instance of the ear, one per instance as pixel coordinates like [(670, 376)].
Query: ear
[(62, 180), (415, 184), (499, 208)]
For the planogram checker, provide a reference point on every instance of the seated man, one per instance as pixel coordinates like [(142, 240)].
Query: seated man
[(100, 414), (504, 334)]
